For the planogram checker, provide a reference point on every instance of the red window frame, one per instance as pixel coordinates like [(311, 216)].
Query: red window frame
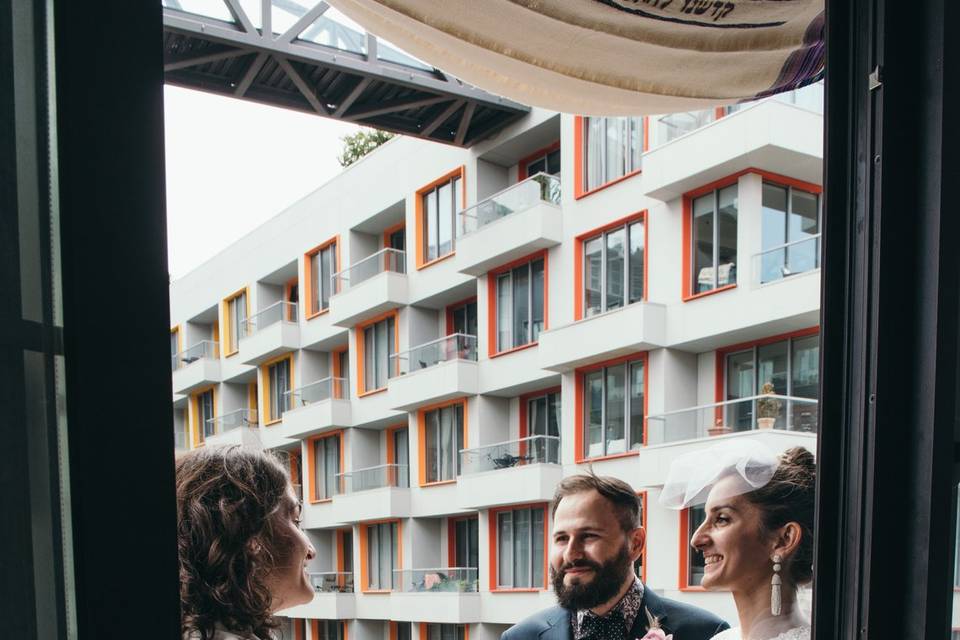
[(579, 241), (306, 296), (311, 456), (580, 158), (421, 261), (492, 351), (493, 533), (536, 155)]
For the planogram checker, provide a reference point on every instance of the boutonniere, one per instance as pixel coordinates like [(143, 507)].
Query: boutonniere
[(654, 631)]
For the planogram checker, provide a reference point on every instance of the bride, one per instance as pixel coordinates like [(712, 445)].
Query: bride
[(757, 538)]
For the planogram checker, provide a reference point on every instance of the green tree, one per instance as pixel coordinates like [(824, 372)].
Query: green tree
[(359, 144)]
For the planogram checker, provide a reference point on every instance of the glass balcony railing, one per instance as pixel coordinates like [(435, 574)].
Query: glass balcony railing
[(384, 475), (503, 455), (456, 346), (766, 411), (325, 389), (277, 312), (331, 581), (203, 349), (453, 579), (230, 421), (785, 260), (384, 260), (524, 195)]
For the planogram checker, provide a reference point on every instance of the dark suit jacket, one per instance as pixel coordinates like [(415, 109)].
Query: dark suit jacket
[(684, 621)]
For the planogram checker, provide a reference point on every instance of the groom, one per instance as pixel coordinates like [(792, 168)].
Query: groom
[(596, 539)]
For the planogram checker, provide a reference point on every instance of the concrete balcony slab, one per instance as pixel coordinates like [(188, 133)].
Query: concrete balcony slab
[(326, 606), (269, 342), (430, 385), (319, 515), (197, 374), (510, 238), (370, 298), (637, 327), (372, 504), (514, 485), (246, 436), (449, 608), (314, 418)]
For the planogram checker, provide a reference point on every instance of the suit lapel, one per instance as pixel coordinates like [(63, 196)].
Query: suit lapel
[(559, 626), (651, 602)]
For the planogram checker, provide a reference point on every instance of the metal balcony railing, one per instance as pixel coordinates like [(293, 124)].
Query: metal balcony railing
[(325, 389), (456, 346), (785, 260), (513, 453), (384, 260), (203, 349), (452, 579), (767, 411), (281, 311), (331, 581), (230, 421), (538, 188), (384, 475)]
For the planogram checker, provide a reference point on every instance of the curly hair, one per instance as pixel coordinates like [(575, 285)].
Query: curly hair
[(227, 499), (789, 497)]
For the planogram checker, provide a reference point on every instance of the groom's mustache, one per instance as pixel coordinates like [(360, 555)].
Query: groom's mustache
[(580, 564)]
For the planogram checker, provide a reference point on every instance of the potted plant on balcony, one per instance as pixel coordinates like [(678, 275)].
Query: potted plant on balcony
[(767, 408), (719, 429)]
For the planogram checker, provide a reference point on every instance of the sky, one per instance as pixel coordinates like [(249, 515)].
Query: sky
[(233, 164)]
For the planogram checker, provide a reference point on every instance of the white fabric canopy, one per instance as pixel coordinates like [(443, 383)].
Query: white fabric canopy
[(609, 57)]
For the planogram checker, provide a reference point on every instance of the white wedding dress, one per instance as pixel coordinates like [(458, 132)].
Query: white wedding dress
[(797, 633)]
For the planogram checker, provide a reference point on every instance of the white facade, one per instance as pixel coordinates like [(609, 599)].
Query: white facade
[(679, 338)]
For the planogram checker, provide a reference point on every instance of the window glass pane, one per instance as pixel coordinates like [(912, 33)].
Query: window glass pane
[(387, 541), (391, 346), (432, 240), (616, 256), (473, 545), (804, 382), (616, 156), (403, 630), (536, 312), (537, 166), (592, 276), (504, 312), (636, 142), (445, 219), (553, 415), (521, 548), (772, 368), (740, 384), (636, 404), (402, 454), (703, 272), (344, 365), (593, 412), (594, 153), (553, 162), (431, 444), (505, 549), (727, 236), (332, 445), (315, 292), (536, 579), (369, 359), (773, 231), (695, 567), (373, 557), (348, 551), (327, 266), (446, 443), (635, 277), (616, 408), (804, 223), (521, 305), (537, 416), (433, 632), (319, 470), (381, 362), (448, 632), (458, 427)]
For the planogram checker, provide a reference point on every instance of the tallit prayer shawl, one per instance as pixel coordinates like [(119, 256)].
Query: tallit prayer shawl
[(609, 57)]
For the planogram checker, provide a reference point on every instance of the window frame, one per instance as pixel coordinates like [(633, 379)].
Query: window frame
[(420, 216), (524, 162), (452, 541), (360, 330), (308, 294), (456, 306), (391, 448), (686, 551), (337, 369), (266, 402), (493, 277), (315, 628), (580, 190), (579, 297), (291, 288), (792, 185), (312, 496), (229, 330), (177, 331), (197, 437), (493, 541), (364, 551), (580, 404), (524, 425), (425, 629), (422, 441)]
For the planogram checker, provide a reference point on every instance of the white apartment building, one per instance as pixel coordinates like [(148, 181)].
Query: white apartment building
[(438, 335)]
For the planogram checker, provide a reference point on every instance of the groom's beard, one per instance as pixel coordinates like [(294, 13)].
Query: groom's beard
[(607, 580)]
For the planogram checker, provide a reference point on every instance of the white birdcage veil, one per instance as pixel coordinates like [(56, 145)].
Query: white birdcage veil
[(744, 465)]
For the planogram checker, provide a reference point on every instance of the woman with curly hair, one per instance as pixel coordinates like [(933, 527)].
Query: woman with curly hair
[(242, 553)]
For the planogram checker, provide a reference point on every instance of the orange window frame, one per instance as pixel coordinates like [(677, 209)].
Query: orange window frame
[(338, 390), (299, 629), (307, 295), (492, 351), (688, 198), (450, 308), (422, 441), (421, 261), (364, 542), (578, 436), (536, 155), (315, 628), (685, 549), (493, 540), (581, 239), (580, 159), (389, 231), (524, 400), (643, 523), (288, 287), (294, 460), (253, 403), (311, 461), (362, 391), (228, 328), (193, 415), (341, 555), (720, 368), (264, 385), (452, 537)]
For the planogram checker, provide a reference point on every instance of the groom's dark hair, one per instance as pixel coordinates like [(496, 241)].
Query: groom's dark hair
[(619, 494)]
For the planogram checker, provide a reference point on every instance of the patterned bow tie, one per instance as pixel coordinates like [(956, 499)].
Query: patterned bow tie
[(608, 627)]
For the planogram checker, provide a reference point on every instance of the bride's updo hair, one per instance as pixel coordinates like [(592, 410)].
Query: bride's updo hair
[(789, 497)]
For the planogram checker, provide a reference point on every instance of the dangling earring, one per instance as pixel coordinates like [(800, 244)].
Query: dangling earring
[(775, 586)]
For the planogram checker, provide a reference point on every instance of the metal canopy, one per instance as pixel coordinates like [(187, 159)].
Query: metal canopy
[(314, 59)]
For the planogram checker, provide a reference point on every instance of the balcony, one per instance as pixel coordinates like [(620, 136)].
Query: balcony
[(786, 260), (444, 595), (373, 493), (269, 333), (756, 413), (636, 327), (368, 288), (196, 367), (513, 472), (333, 597), (315, 407), (436, 371), (514, 223), (234, 427)]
